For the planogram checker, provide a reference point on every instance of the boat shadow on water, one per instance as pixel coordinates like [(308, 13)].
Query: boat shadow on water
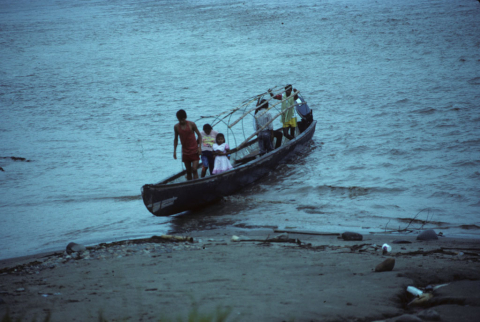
[(224, 212)]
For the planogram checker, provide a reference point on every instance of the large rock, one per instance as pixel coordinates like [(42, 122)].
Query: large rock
[(427, 235), (75, 248), (386, 266), (348, 235)]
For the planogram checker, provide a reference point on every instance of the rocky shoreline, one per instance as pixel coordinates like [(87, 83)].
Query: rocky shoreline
[(255, 275)]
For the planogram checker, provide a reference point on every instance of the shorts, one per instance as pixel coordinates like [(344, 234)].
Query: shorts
[(190, 157), (207, 159), (291, 123)]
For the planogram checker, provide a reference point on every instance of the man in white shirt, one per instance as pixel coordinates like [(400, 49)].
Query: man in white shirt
[(265, 137)]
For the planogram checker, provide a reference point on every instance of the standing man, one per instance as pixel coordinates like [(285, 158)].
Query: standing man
[(191, 147), (288, 118), (265, 137)]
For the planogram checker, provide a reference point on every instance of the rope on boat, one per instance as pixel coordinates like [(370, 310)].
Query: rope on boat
[(221, 117), (271, 97), (245, 103), (230, 112), (266, 124), (272, 106), (259, 98)]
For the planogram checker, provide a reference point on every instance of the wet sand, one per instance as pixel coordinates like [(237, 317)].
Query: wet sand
[(298, 278)]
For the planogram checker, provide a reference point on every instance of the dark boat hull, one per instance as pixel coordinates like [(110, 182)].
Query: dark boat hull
[(167, 199)]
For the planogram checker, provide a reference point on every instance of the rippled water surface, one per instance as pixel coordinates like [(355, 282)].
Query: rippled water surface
[(89, 91)]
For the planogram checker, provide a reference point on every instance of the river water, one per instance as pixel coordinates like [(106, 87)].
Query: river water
[(89, 91)]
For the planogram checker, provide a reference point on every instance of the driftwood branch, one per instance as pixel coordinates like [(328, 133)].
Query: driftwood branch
[(176, 238), (413, 219), (305, 232), (433, 251), (278, 239), (461, 248)]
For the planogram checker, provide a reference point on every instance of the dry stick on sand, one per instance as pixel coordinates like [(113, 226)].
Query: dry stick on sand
[(305, 232), (267, 240), (462, 248)]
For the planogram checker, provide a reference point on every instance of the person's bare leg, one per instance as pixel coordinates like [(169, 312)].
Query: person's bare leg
[(204, 172), (188, 166), (194, 169)]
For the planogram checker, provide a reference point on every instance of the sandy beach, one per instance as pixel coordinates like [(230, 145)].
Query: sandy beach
[(289, 277)]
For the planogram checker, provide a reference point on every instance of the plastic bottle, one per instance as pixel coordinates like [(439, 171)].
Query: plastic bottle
[(386, 248), (414, 291)]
